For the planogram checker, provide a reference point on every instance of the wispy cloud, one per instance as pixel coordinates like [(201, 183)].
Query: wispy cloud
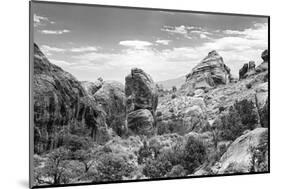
[(84, 49), (236, 50), (41, 20), (189, 32), (135, 44), (163, 42), (54, 32)]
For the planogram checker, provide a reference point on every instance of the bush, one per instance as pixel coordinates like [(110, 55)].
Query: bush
[(184, 158), (248, 85), (194, 154), (113, 167), (240, 117), (177, 171), (157, 168)]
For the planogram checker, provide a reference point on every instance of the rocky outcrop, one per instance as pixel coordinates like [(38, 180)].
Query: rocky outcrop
[(183, 114), (111, 98), (247, 70), (209, 73), (264, 65), (92, 87), (242, 157), (141, 122), (61, 103), (141, 101)]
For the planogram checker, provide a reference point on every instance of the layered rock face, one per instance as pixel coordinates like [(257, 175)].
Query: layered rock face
[(141, 102), (60, 102), (209, 73), (110, 96)]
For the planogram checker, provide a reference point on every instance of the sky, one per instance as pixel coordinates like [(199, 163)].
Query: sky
[(91, 42)]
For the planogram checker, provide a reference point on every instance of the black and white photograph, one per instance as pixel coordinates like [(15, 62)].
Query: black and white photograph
[(121, 94)]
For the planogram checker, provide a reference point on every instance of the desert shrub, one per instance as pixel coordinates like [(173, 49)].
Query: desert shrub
[(55, 168), (240, 117), (231, 125), (145, 153), (248, 85), (174, 88), (158, 113), (186, 156), (177, 171), (246, 110), (112, 167), (174, 96), (157, 168), (74, 142), (194, 154), (221, 109)]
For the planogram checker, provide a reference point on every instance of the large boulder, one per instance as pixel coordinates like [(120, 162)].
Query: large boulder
[(60, 102), (209, 73), (247, 153), (141, 122), (141, 94)]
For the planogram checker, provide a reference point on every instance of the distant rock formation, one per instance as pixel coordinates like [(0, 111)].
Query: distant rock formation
[(141, 102), (250, 68), (110, 96), (264, 65), (247, 70), (209, 73), (59, 103)]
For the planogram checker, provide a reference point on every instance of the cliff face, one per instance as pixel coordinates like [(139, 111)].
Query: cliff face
[(209, 73), (60, 102)]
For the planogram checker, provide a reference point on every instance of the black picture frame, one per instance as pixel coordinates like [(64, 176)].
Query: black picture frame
[(31, 116)]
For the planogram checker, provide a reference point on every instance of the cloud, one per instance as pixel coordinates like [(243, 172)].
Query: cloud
[(84, 49), (163, 42), (49, 48), (54, 32), (60, 62), (41, 20), (189, 32), (180, 30), (136, 44)]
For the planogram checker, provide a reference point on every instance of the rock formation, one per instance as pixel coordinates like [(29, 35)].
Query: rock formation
[(240, 156), (110, 96), (141, 102), (247, 70), (209, 73), (60, 102), (264, 65)]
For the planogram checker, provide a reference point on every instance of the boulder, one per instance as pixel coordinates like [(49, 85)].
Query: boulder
[(141, 122), (209, 73), (141, 100), (241, 155), (60, 102)]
